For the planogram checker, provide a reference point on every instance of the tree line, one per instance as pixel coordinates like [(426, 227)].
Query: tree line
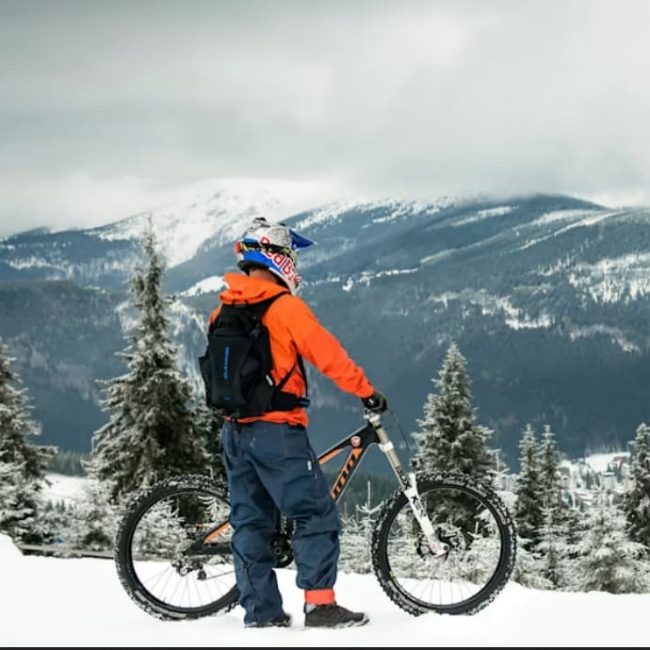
[(158, 427), (603, 546)]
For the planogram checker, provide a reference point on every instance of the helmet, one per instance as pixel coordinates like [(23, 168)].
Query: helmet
[(272, 246)]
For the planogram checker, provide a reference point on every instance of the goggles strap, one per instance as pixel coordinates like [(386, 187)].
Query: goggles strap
[(270, 248)]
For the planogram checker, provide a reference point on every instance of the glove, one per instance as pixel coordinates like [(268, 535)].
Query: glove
[(376, 402)]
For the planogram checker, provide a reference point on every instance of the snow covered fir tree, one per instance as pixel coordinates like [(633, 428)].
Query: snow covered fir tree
[(22, 462), (543, 516), (608, 559), (529, 506), (551, 489), (209, 422), (553, 548), (557, 520), (448, 438), (153, 431), (573, 547), (356, 536), (637, 498)]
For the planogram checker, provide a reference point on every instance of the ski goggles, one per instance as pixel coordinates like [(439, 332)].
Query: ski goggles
[(266, 247)]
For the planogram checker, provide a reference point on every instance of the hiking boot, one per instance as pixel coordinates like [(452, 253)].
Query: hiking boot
[(332, 615), (280, 621)]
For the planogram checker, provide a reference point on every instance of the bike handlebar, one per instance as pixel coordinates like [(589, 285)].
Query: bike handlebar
[(375, 418)]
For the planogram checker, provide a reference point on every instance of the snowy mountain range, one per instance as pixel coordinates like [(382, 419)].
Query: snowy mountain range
[(547, 296), (201, 217)]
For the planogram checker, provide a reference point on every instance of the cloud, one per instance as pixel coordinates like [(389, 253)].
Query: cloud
[(106, 106)]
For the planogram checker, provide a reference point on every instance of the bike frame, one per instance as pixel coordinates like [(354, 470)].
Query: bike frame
[(358, 443)]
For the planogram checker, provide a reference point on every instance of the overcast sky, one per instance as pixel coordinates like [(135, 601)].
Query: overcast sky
[(107, 107)]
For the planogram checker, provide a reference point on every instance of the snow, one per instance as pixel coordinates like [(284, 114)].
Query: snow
[(63, 488), (218, 210), (185, 322), (563, 215), (492, 305), (208, 285), (484, 214), (327, 213), (589, 218), (543, 321), (80, 602), (32, 262), (367, 276), (396, 208), (614, 334), (612, 280), (8, 550), (436, 257), (593, 218), (600, 462)]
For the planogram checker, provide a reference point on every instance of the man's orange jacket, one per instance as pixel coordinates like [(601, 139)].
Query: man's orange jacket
[(294, 330)]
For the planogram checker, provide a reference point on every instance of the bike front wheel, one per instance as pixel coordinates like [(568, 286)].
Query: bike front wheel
[(173, 550), (473, 522)]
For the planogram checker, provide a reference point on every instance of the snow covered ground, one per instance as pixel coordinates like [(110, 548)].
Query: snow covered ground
[(65, 602), (601, 462), (63, 488)]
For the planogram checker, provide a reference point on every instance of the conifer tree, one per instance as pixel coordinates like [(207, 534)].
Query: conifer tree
[(210, 423), (501, 471), (18, 503), (152, 432), (356, 542), (549, 468), (553, 548), (22, 463), (636, 502), (449, 439), (528, 568), (529, 507), (58, 520), (95, 516), (357, 535), (574, 527), (556, 533), (609, 560)]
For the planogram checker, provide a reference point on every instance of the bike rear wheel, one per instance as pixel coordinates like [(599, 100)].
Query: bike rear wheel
[(478, 529), (163, 560)]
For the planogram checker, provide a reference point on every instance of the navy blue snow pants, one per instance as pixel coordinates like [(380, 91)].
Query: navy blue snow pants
[(272, 467)]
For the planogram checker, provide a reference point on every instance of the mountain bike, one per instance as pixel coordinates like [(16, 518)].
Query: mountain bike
[(443, 544)]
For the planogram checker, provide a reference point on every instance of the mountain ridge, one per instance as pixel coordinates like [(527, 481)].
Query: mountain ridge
[(547, 296)]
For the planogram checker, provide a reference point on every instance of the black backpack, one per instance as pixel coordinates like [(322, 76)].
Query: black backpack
[(237, 363)]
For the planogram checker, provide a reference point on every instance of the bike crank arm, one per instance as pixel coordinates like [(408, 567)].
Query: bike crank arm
[(409, 487)]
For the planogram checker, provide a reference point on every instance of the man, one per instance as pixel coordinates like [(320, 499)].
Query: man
[(269, 460)]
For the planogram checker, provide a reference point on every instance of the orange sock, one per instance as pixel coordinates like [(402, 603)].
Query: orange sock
[(319, 596)]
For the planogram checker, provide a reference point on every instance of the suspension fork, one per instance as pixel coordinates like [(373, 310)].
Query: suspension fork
[(408, 484)]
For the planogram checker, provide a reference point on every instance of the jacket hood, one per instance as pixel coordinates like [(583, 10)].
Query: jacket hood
[(243, 288)]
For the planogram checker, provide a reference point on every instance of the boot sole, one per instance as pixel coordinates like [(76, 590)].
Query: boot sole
[(255, 626), (339, 625)]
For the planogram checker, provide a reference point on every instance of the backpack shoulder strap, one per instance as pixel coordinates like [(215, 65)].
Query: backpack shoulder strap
[(258, 309), (253, 310), (301, 365)]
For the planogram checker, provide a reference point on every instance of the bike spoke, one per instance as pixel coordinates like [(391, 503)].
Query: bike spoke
[(167, 533), (468, 527), (158, 576)]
